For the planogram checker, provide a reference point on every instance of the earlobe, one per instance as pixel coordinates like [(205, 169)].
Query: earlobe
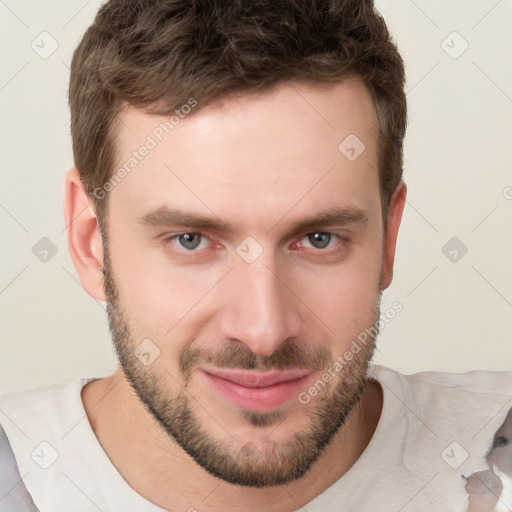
[(396, 208), (83, 235)]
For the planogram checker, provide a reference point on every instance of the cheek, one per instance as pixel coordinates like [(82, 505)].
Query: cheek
[(347, 306), (345, 299), (344, 295), (157, 297)]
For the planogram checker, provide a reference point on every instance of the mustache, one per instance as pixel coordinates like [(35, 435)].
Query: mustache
[(236, 355)]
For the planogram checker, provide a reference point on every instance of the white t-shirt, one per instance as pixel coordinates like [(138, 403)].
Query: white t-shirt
[(435, 428)]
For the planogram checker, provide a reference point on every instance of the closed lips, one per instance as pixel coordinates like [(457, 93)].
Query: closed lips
[(256, 379)]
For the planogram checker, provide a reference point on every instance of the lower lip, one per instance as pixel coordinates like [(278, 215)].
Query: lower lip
[(264, 399)]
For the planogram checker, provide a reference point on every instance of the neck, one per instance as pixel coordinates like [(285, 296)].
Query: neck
[(160, 471)]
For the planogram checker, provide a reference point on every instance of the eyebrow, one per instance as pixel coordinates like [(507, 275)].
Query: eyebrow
[(330, 217)]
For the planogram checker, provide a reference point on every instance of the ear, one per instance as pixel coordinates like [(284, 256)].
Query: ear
[(396, 208), (83, 235)]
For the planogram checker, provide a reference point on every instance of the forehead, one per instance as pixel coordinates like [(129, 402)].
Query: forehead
[(296, 147)]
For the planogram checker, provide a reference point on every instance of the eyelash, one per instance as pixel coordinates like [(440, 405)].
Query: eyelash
[(342, 239)]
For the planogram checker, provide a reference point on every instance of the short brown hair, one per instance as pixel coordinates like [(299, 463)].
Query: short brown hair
[(156, 54)]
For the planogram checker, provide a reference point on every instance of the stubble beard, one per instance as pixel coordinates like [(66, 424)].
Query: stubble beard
[(237, 461)]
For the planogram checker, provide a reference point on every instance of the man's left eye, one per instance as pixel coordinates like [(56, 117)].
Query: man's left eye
[(320, 240)]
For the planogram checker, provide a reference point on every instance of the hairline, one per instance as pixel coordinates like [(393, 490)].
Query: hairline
[(114, 129)]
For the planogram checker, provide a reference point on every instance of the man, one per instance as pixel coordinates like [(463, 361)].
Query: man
[(236, 200)]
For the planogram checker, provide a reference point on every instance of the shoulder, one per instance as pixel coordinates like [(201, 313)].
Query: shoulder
[(39, 398), (446, 422), (449, 403), (52, 409), (471, 383), (15, 496)]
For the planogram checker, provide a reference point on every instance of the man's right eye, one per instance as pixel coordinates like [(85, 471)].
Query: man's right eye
[(189, 241)]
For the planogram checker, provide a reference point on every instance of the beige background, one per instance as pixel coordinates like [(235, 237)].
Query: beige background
[(456, 316)]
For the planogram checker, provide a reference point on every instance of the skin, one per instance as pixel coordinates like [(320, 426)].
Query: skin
[(259, 163)]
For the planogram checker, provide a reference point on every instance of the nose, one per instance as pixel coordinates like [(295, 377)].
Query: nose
[(259, 307)]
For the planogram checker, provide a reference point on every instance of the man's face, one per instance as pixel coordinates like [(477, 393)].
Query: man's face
[(283, 277)]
